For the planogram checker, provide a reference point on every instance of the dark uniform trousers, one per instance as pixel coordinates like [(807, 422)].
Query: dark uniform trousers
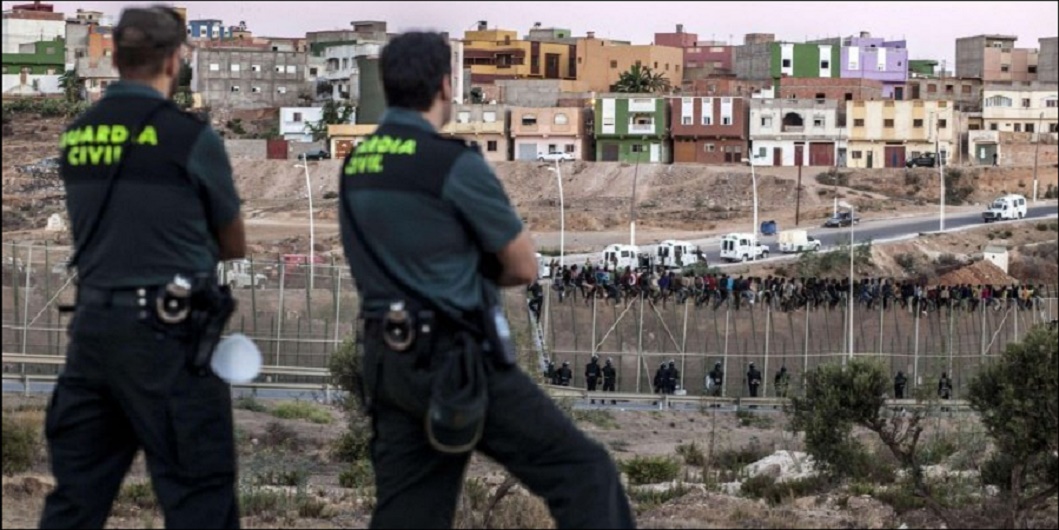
[(418, 487), (123, 388)]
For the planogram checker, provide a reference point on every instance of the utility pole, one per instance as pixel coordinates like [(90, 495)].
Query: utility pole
[(798, 200), (1036, 150), (632, 212)]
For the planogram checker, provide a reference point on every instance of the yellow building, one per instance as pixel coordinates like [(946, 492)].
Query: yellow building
[(886, 133), (601, 62), (493, 54), (344, 137)]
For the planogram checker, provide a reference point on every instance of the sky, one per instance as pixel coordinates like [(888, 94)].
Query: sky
[(931, 28)]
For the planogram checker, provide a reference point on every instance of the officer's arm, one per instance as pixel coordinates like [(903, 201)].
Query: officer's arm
[(209, 165), (473, 189)]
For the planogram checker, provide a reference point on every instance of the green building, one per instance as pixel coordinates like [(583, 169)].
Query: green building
[(632, 128), (805, 60), (38, 58), (922, 68)]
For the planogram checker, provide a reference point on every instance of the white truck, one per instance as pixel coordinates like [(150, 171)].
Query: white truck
[(797, 241), (544, 269), (1006, 208), (742, 247), (621, 256), (237, 275), (673, 254)]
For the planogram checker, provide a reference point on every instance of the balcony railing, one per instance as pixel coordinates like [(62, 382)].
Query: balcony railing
[(642, 128), (793, 128)]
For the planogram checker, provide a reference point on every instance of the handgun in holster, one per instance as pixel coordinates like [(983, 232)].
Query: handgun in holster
[(195, 310)]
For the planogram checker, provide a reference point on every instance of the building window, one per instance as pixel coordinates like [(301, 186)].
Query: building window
[(281, 90), (552, 149), (614, 64), (490, 146), (530, 120), (965, 89), (726, 120), (235, 88), (1053, 127), (1025, 103), (786, 63), (489, 116), (918, 124), (255, 68), (1018, 127), (948, 89), (279, 69), (255, 89), (1032, 69), (235, 68), (818, 123), (707, 120), (291, 69), (561, 119), (821, 95), (569, 148), (943, 124), (889, 124), (639, 148), (656, 65), (214, 67), (858, 122), (1005, 68), (297, 117), (766, 122), (685, 120), (825, 64), (1050, 103), (855, 155), (463, 117), (709, 148), (992, 126), (932, 88), (998, 101), (313, 72)]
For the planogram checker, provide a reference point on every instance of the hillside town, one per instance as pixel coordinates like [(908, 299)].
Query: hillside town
[(858, 101)]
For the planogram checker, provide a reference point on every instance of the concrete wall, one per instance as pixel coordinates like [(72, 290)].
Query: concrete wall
[(252, 149), (838, 89), (217, 71), (753, 61), (1047, 61), (538, 93), (46, 84)]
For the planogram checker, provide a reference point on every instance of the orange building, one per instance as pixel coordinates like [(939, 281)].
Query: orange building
[(601, 62), (494, 54)]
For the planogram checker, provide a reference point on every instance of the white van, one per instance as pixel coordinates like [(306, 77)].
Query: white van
[(621, 256), (1006, 208), (742, 247), (544, 269), (673, 254), (797, 241)]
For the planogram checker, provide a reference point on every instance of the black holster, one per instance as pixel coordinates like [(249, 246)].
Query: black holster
[(209, 306)]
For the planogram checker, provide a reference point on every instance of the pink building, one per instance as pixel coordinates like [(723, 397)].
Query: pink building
[(701, 58)]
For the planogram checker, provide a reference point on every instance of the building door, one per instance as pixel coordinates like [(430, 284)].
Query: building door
[(777, 156), (899, 93), (821, 154), (799, 150), (687, 151), (610, 152), (985, 153), (342, 148), (551, 66), (527, 152), (656, 153), (871, 159), (895, 156)]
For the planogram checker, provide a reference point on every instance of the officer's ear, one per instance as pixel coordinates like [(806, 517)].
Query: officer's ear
[(173, 63)]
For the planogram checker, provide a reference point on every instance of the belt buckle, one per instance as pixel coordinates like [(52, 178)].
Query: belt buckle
[(398, 328)]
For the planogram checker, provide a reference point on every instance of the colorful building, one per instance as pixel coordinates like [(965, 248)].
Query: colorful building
[(601, 62), (30, 23), (805, 60), (36, 69), (632, 128), (494, 54), (995, 58), (867, 57), (922, 68), (710, 130), (796, 132), (1020, 108), (841, 89), (887, 133), (484, 126), (701, 59), (539, 131)]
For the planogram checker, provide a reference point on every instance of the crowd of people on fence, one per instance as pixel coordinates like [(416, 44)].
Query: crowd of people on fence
[(592, 282)]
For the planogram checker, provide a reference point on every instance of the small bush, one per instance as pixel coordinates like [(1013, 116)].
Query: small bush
[(250, 403), (737, 459), (692, 454), (647, 499), (22, 444), (353, 445), (328, 195), (1042, 227), (138, 494), (358, 475), (908, 262), (937, 451), (279, 436), (598, 417), (766, 488), (650, 470), (900, 498), (302, 410), (832, 177), (254, 501), (749, 419), (947, 260)]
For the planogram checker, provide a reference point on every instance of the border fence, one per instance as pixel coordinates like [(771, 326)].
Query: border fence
[(298, 318)]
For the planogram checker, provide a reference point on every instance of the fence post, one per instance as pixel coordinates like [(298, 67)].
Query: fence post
[(253, 293), (336, 288), (684, 348), (279, 313), (47, 292), (25, 315), (768, 328), (639, 350), (805, 363), (728, 376), (915, 349)]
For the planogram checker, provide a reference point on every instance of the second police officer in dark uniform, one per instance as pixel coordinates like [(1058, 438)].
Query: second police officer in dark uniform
[(150, 197), (430, 234)]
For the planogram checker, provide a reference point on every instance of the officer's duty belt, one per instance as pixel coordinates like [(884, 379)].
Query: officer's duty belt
[(122, 297)]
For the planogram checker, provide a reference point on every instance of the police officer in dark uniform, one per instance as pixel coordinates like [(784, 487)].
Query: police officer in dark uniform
[(900, 383), (661, 377), (565, 374), (716, 380), (672, 378), (430, 235), (150, 196), (536, 299), (549, 371), (592, 373), (610, 377), (753, 380)]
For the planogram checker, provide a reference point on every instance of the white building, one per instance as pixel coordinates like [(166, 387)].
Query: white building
[(998, 256), (294, 122), (341, 67), (1030, 108), (25, 27), (457, 72), (796, 132)]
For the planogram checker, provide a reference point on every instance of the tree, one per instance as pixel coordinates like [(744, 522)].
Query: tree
[(334, 113), (70, 82), (641, 80), (477, 96), (1018, 400)]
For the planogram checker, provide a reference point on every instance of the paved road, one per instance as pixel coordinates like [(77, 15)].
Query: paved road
[(876, 230)]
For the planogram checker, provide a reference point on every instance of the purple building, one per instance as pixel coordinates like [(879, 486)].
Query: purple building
[(870, 58)]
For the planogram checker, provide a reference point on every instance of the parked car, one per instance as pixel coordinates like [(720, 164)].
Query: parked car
[(319, 154), (1006, 208), (923, 160), (842, 219), (552, 157)]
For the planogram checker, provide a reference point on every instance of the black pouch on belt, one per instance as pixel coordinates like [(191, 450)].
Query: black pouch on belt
[(212, 306), (459, 400)]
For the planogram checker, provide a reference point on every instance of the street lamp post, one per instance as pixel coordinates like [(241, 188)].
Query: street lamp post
[(941, 168), (312, 231), (852, 217), (753, 182)]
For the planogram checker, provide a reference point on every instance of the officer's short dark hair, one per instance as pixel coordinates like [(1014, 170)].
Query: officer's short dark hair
[(413, 67), (144, 38)]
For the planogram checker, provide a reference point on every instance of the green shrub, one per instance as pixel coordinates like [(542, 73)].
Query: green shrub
[(138, 494), (598, 417), (250, 403), (901, 498), (692, 454), (938, 450), (736, 459), (650, 470), (302, 410), (749, 419), (279, 436), (768, 489), (647, 499), (354, 444), (255, 501), (22, 443), (359, 474)]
